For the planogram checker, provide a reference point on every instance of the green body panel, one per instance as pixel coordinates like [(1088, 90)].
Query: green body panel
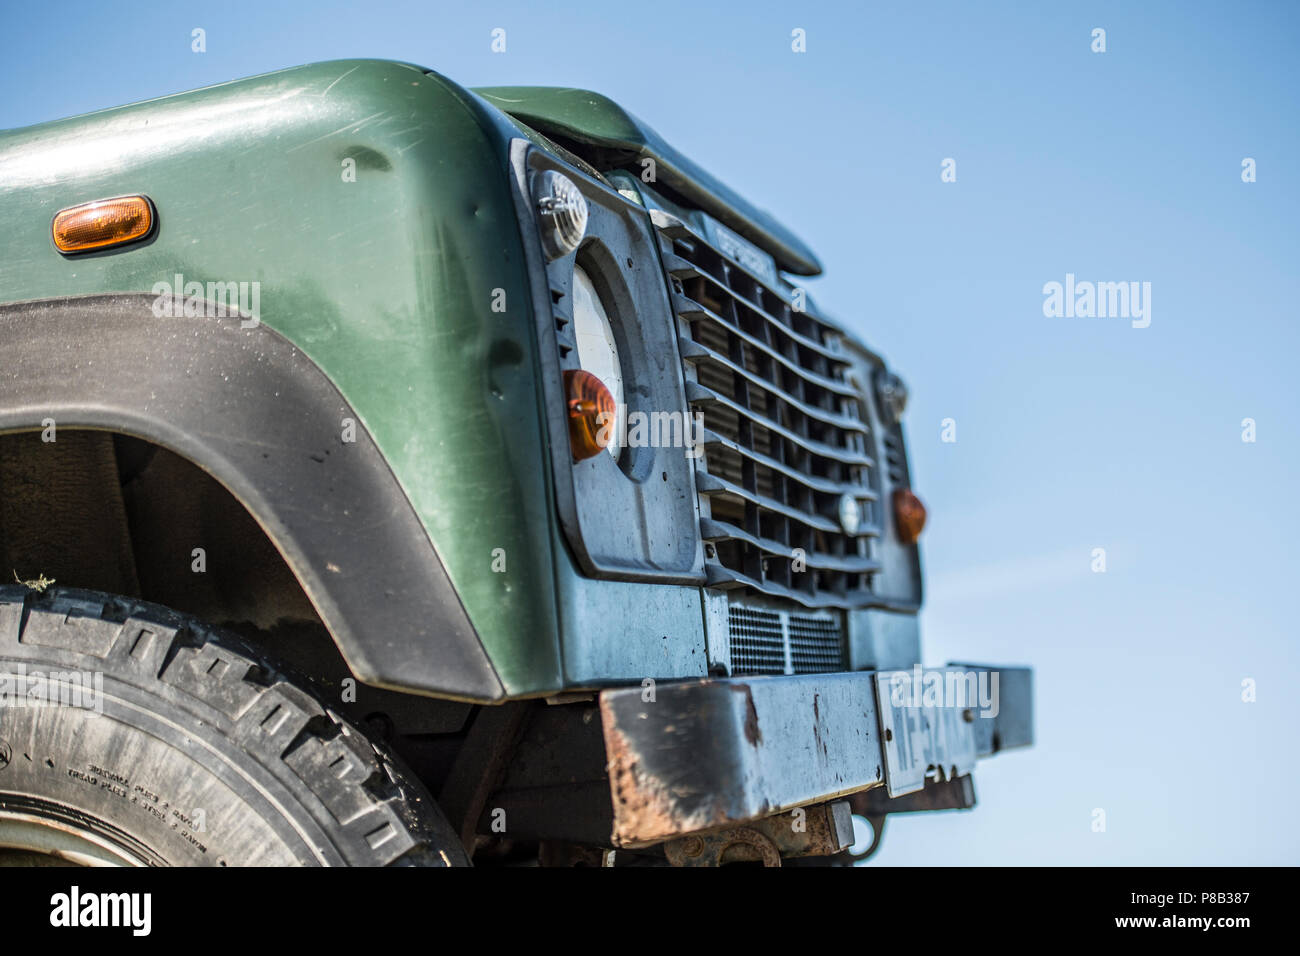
[(587, 117), (387, 283)]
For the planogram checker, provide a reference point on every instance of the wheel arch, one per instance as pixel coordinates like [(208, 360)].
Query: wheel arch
[(250, 409)]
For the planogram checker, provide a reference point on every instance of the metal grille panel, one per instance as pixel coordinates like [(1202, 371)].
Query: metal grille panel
[(768, 641), (757, 641), (815, 644), (785, 434)]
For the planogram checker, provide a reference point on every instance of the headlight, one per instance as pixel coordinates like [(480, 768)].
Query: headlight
[(597, 349)]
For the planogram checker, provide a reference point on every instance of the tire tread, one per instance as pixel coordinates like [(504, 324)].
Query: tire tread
[(382, 815)]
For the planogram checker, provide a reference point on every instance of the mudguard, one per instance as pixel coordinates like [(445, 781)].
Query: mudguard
[(240, 401)]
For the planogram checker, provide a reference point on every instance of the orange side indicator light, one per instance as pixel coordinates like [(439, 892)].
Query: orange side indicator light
[(591, 413), (103, 223), (909, 515)]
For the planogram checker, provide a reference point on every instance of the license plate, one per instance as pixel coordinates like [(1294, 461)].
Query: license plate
[(920, 738)]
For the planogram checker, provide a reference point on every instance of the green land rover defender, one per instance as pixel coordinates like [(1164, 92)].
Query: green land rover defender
[(398, 473)]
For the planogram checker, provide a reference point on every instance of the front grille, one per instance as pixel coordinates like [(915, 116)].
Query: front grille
[(785, 435), (895, 462), (767, 641)]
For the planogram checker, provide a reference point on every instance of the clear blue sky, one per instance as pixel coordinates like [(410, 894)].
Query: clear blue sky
[(1072, 434)]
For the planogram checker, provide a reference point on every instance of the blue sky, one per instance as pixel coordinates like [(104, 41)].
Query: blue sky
[(1072, 434)]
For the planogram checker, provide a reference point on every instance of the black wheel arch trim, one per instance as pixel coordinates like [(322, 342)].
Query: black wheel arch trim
[(250, 408)]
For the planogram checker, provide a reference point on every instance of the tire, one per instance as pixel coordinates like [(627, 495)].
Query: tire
[(177, 744)]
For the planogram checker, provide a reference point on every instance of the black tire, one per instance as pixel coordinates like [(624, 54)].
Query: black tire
[(196, 751)]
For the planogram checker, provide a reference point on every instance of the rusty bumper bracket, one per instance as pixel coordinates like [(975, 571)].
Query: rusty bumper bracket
[(698, 755), (705, 754), (822, 830)]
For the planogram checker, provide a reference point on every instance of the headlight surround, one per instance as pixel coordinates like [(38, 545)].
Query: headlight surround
[(613, 511)]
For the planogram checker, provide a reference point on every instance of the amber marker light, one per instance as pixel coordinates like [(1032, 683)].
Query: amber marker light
[(103, 224), (591, 413), (909, 515)]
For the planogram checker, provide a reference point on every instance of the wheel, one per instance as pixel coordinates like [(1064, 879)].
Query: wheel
[(131, 734)]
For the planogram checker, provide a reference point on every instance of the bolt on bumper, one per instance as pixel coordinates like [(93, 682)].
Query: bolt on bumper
[(697, 755)]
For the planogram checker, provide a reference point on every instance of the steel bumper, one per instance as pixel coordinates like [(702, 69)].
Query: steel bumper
[(697, 755)]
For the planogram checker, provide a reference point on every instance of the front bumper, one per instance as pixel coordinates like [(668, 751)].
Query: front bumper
[(697, 755)]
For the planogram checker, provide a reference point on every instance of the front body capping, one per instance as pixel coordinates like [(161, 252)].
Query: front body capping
[(697, 755)]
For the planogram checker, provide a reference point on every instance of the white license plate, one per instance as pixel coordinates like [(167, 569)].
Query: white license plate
[(921, 739)]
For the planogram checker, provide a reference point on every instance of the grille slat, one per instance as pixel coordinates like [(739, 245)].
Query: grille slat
[(696, 392), (822, 485), (722, 577), (823, 415), (785, 437), (709, 484), (714, 530), (690, 310), (774, 324)]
